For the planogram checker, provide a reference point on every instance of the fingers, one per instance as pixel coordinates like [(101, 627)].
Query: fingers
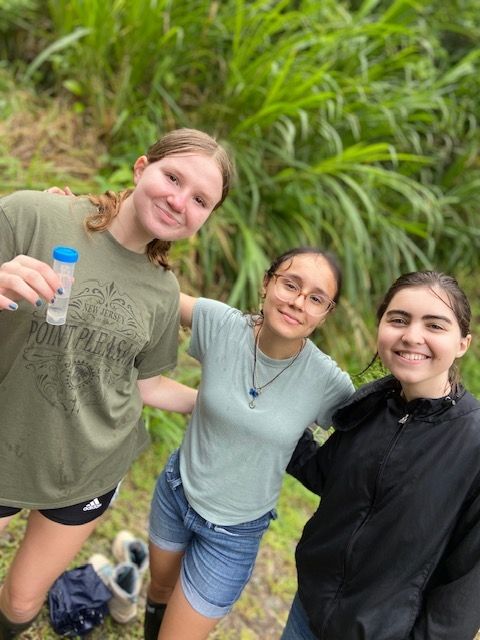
[(66, 191), (28, 279), (7, 303)]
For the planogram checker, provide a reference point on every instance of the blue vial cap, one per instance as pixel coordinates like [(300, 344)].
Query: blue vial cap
[(65, 254)]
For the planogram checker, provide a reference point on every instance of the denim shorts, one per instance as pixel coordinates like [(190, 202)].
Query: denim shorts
[(297, 627), (218, 560)]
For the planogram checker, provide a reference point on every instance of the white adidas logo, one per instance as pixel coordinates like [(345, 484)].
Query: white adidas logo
[(94, 504)]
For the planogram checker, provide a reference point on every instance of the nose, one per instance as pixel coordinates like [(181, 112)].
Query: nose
[(178, 201), (412, 335), (300, 300)]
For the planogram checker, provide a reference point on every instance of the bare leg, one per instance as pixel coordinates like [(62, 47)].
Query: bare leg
[(164, 573), (182, 622), (44, 553)]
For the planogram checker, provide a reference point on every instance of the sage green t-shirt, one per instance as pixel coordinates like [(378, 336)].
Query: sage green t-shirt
[(233, 458), (70, 408)]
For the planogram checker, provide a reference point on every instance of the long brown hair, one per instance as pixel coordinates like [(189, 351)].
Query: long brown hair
[(107, 205)]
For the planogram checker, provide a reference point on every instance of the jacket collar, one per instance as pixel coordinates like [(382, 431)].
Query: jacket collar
[(387, 391)]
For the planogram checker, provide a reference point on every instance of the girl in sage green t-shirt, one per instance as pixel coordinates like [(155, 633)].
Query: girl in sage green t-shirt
[(71, 395)]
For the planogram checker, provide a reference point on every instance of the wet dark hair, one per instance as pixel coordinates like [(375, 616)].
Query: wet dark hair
[(458, 303), (298, 251)]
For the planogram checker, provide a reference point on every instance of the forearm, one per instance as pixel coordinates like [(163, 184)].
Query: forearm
[(303, 464), (454, 618), (450, 608), (167, 394)]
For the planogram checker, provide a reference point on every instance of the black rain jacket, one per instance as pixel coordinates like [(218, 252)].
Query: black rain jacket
[(393, 551)]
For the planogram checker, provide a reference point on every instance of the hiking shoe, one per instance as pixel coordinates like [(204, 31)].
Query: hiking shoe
[(124, 582), (127, 548)]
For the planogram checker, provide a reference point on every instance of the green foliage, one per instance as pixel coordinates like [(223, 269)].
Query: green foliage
[(354, 124)]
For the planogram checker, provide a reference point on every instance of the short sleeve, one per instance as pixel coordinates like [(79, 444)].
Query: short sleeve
[(337, 391), (161, 352), (7, 238), (207, 319)]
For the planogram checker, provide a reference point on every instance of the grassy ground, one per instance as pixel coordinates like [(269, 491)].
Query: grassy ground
[(263, 607)]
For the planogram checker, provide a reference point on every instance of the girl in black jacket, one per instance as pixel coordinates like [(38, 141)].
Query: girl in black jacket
[(393, 551)]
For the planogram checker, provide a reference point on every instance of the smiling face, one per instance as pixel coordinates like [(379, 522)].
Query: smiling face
[(290, 320), (173, 196), (418, 340)]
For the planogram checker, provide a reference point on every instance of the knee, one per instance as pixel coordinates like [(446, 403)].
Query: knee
[(19, 605), (160, 592)]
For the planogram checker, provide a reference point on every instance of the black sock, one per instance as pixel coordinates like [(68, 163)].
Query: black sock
[(154, 612), (9, 629)]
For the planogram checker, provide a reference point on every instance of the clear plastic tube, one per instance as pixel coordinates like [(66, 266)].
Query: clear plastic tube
[(64, 261)]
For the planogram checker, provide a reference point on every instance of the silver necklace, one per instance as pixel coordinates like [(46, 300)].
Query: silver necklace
[(255, 390)]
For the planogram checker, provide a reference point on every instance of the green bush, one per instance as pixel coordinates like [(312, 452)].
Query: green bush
[(353, 124)]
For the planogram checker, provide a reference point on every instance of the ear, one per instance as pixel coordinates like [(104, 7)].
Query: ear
[(139, 167), (464, 344)]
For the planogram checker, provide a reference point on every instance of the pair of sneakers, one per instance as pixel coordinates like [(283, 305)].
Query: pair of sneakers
[(125, 578)]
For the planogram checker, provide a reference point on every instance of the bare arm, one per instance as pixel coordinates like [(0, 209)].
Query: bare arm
[(26, 278), (186, 309), (167, 394)]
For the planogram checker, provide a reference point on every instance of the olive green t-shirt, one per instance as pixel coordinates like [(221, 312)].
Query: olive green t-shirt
[(69, 403)]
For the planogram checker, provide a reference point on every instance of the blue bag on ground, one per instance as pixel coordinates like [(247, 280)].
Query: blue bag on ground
[(78, 602)]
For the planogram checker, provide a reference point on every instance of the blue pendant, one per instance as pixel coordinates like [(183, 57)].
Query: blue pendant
[(254, 393)]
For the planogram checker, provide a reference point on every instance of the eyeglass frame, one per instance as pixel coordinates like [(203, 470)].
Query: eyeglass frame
[(331, 303)]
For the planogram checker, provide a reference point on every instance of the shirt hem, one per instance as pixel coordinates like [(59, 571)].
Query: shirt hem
[(54, 504), (225, 520), (24, 504)]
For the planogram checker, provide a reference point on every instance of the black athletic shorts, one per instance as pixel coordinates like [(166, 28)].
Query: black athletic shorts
[(76, 514)]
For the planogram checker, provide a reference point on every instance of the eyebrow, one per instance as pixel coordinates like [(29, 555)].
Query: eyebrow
[(405, 314)]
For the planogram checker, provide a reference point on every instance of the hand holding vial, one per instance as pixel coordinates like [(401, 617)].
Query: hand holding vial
[(26, 278)]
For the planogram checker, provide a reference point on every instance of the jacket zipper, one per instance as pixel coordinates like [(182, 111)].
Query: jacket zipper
[(402, 422)]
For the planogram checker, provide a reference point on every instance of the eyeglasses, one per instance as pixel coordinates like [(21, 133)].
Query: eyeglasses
[(316, 304)]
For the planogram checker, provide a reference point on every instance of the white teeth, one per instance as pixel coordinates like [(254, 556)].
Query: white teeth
[(412, 356)]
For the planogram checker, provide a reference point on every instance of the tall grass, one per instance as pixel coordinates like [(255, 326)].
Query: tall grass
[(354, 124)]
